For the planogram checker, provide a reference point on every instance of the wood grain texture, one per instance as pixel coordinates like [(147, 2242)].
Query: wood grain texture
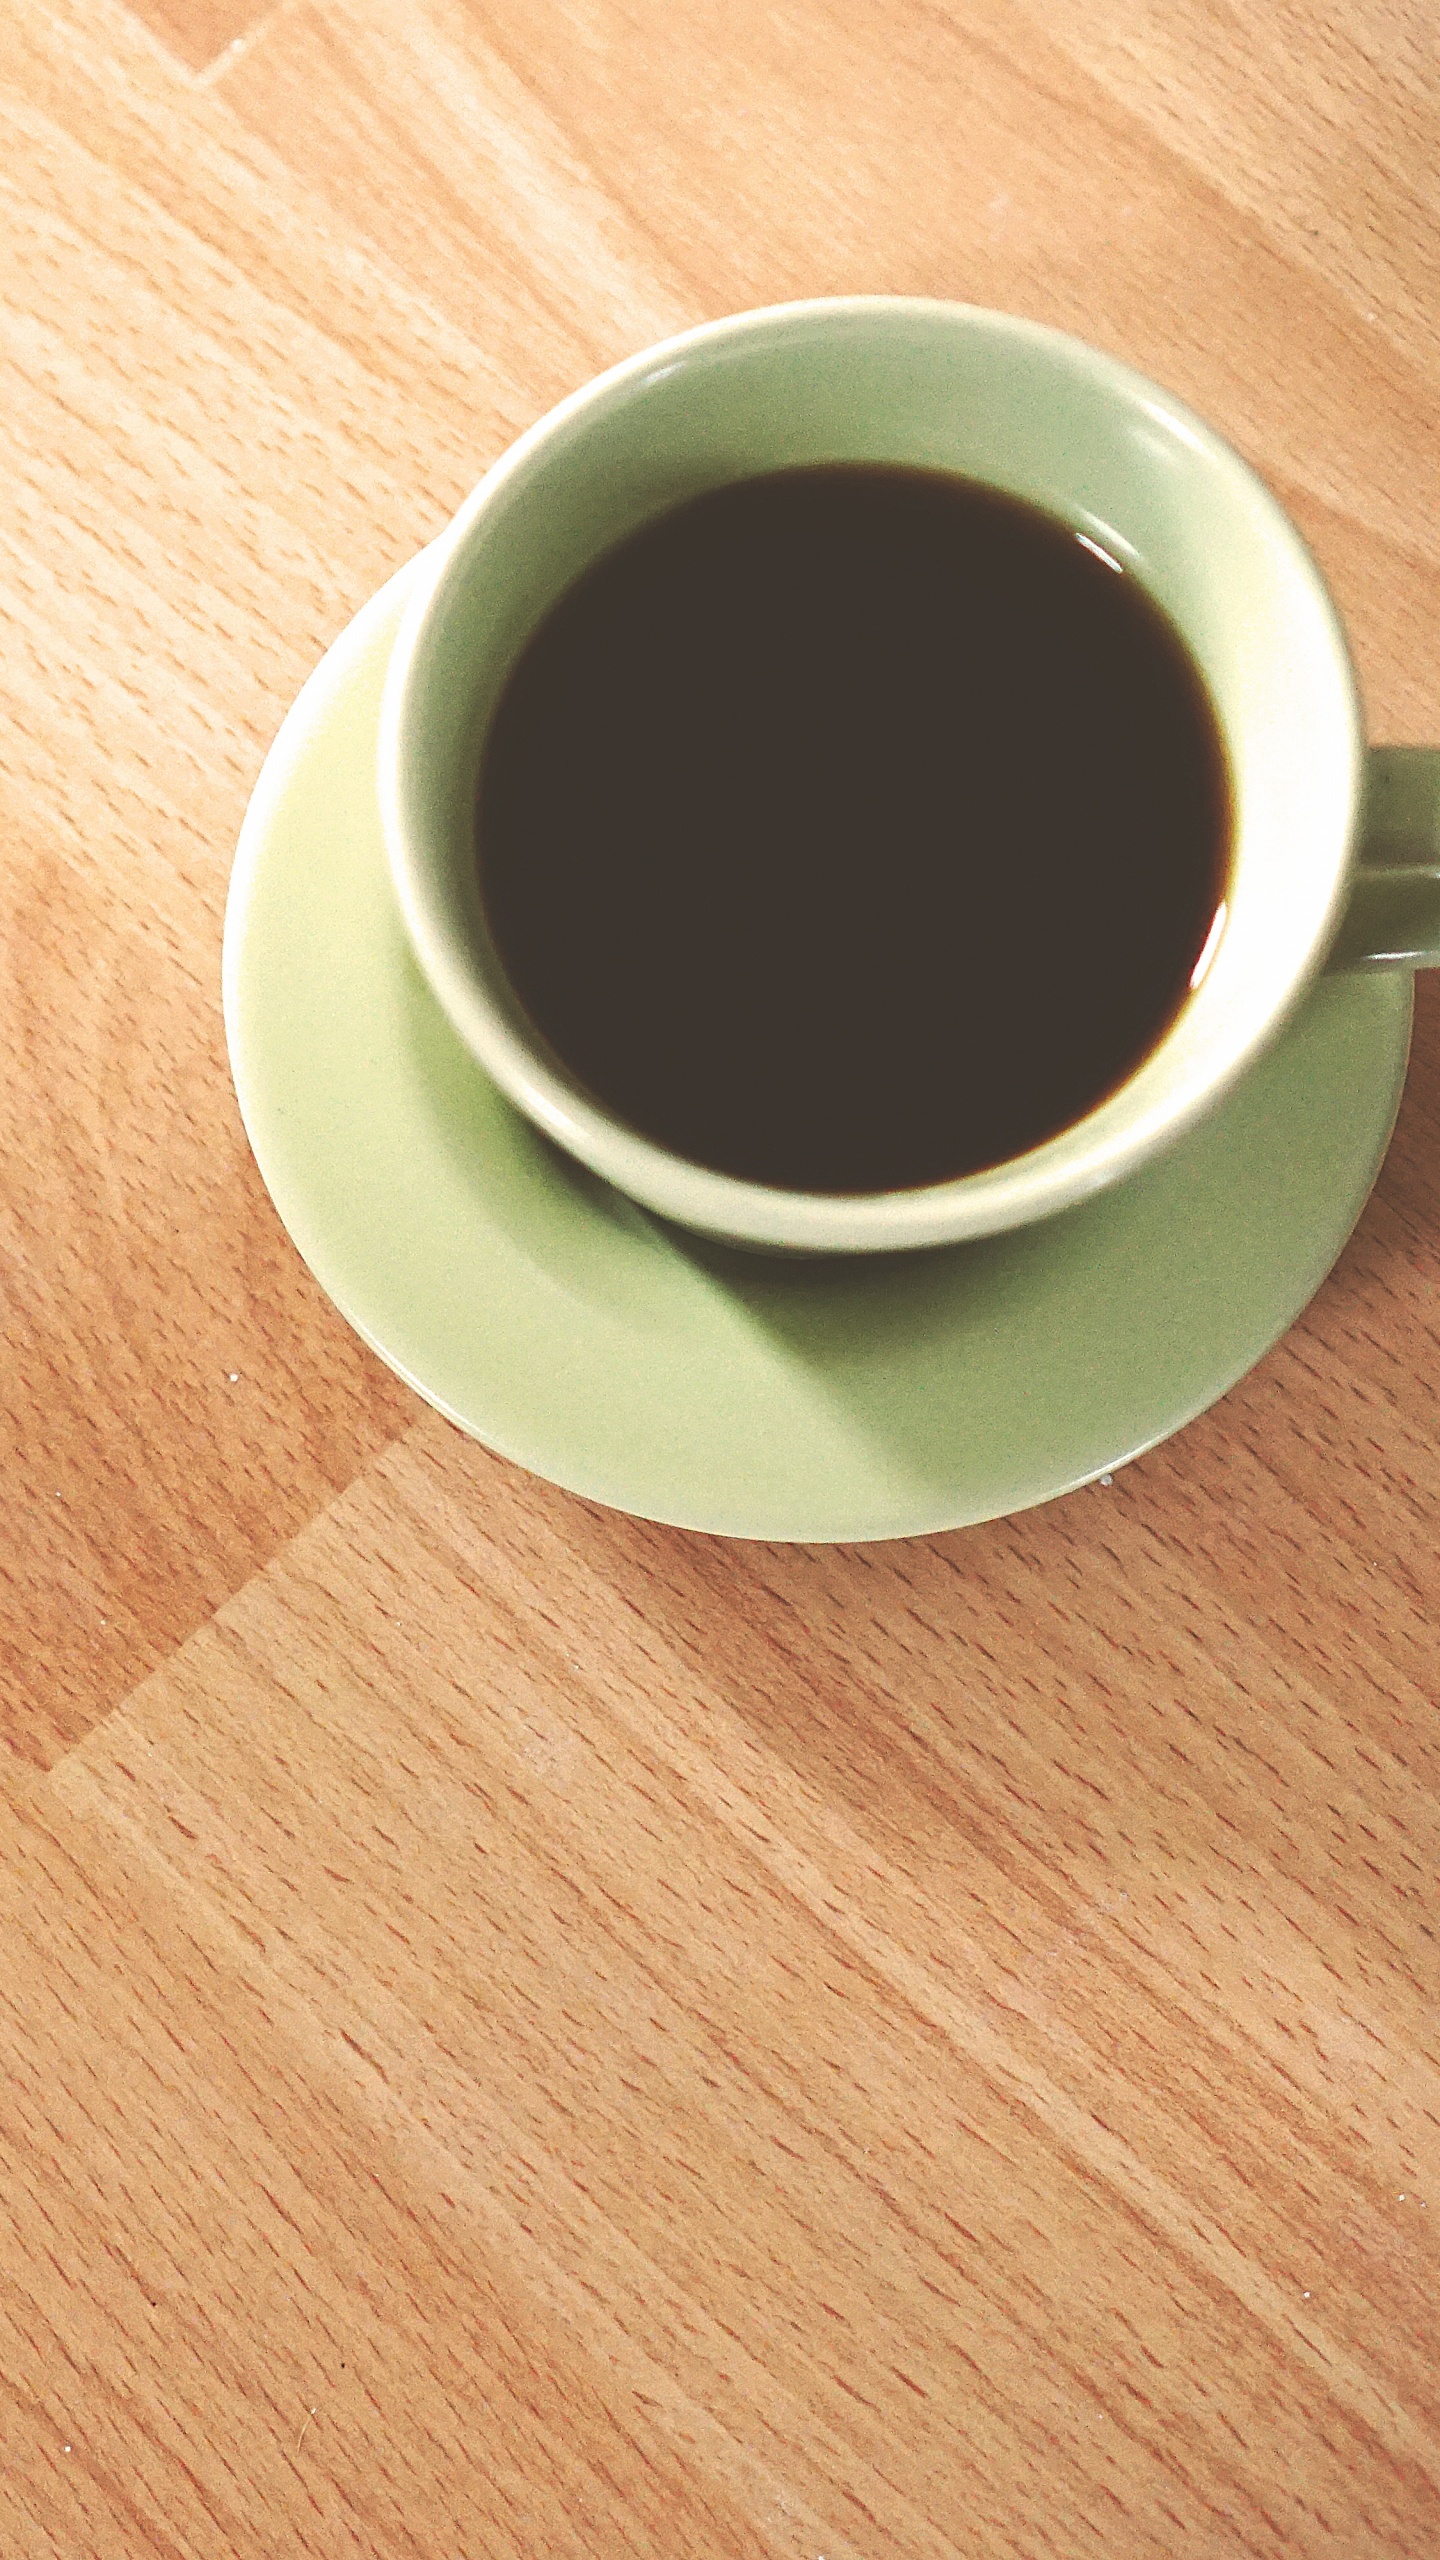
[(200, 32), (522, 2032)]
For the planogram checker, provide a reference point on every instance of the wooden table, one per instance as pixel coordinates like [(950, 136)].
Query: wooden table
[(526, 2033)]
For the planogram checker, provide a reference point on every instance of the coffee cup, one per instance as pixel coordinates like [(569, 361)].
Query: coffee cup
[(1334, 848)]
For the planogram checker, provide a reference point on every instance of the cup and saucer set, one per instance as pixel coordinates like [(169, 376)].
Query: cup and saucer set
[(747, 1361)]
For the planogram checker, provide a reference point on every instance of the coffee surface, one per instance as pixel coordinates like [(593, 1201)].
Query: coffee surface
[(852, 828)]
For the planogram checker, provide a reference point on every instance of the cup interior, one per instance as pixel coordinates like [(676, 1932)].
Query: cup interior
[(1000, 400)]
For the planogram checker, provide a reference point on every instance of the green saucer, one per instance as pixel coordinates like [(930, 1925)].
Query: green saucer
[(875, 1398)]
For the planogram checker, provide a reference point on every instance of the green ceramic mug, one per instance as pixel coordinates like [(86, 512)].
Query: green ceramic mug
[(1336, 850)]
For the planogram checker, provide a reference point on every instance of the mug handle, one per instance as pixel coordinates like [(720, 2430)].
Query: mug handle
[(1393, 919)]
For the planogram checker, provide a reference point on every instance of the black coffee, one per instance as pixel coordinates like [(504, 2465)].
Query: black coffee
[(853, 828)]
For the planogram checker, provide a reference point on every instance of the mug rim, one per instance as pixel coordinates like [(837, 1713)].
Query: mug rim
[(1022, 1189)]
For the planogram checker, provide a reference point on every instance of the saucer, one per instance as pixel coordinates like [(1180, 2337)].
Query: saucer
[(880, 1397)]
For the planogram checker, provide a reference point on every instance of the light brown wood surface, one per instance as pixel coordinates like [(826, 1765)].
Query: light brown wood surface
[(523, 2033)]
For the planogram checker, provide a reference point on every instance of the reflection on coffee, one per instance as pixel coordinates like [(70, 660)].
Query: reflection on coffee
[(853, 828)]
